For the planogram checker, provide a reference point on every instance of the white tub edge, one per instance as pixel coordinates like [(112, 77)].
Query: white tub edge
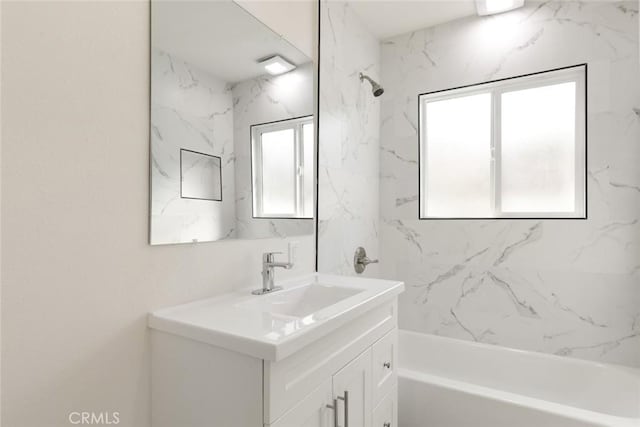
[(520, 400)]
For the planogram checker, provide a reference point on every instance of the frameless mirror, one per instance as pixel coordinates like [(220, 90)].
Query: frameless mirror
[(232, 127)]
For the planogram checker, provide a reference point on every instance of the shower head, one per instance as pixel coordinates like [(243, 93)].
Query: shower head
[(375, 87)]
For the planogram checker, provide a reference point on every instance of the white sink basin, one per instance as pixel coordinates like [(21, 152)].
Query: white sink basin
[(302, 301), (276, 325)]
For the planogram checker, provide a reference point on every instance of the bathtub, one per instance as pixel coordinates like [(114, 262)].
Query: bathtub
[(445, 382)]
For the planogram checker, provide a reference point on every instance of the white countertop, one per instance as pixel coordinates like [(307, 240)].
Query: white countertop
[(231, 321)]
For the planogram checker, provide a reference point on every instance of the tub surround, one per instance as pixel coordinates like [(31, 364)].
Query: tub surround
[(565, 287), (560, 287), (349, 120)]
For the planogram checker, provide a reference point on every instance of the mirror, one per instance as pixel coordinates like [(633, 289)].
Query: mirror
[(232, 127)]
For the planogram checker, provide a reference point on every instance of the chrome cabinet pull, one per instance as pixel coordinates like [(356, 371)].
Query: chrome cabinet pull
[(335, 412), (345, 398), (387, 365)]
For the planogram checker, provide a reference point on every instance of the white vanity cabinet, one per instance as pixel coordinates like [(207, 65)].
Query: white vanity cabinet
[(348, 376), (226, 362)]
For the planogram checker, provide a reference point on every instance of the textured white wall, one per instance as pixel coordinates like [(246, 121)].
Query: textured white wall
[(564, 287), (78, 275), (349, 141)]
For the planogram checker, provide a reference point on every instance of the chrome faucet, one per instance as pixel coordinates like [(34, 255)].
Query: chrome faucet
[(268, 264)]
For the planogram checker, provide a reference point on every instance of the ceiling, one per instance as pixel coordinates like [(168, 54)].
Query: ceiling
[(387, 18), (217, 36)]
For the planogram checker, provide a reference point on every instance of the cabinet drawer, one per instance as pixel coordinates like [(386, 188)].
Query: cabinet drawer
[(384, 372), (386, 413)]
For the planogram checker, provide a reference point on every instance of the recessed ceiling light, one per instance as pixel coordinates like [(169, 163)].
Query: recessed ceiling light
[(489, 7), (276, 65)]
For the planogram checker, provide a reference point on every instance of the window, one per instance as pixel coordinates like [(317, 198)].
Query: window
[(512, 148), (282, 168)]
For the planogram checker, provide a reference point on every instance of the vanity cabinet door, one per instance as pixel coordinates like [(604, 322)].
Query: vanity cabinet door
[(352, 388), (312, 411)]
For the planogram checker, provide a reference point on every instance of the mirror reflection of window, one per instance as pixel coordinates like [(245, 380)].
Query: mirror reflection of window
[(283, 168)]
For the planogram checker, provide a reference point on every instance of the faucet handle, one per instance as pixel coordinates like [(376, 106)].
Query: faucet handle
[(270, 259), (361, 260), (269, 256)]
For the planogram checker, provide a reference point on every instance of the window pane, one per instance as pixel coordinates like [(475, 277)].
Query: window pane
[(538, 149), (278, 172), (458, 156), (308, 170)]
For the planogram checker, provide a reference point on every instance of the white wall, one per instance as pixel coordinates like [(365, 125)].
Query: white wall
[(349, 121), (78, 275), (563, 287)]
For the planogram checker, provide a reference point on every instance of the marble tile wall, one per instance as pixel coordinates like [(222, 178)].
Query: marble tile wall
[(566, 287), (190, 109), (349, 120), (261, 100)]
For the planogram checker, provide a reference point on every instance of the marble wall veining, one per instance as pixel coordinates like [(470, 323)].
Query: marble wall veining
[(566, 287), (349, 120), (261, 100), (190, 109)]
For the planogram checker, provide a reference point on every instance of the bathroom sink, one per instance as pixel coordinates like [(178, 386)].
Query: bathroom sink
[(276, 325), (301, 301)]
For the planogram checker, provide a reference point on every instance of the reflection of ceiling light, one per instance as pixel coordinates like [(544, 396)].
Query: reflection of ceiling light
[(276, 65), (489, 7)]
